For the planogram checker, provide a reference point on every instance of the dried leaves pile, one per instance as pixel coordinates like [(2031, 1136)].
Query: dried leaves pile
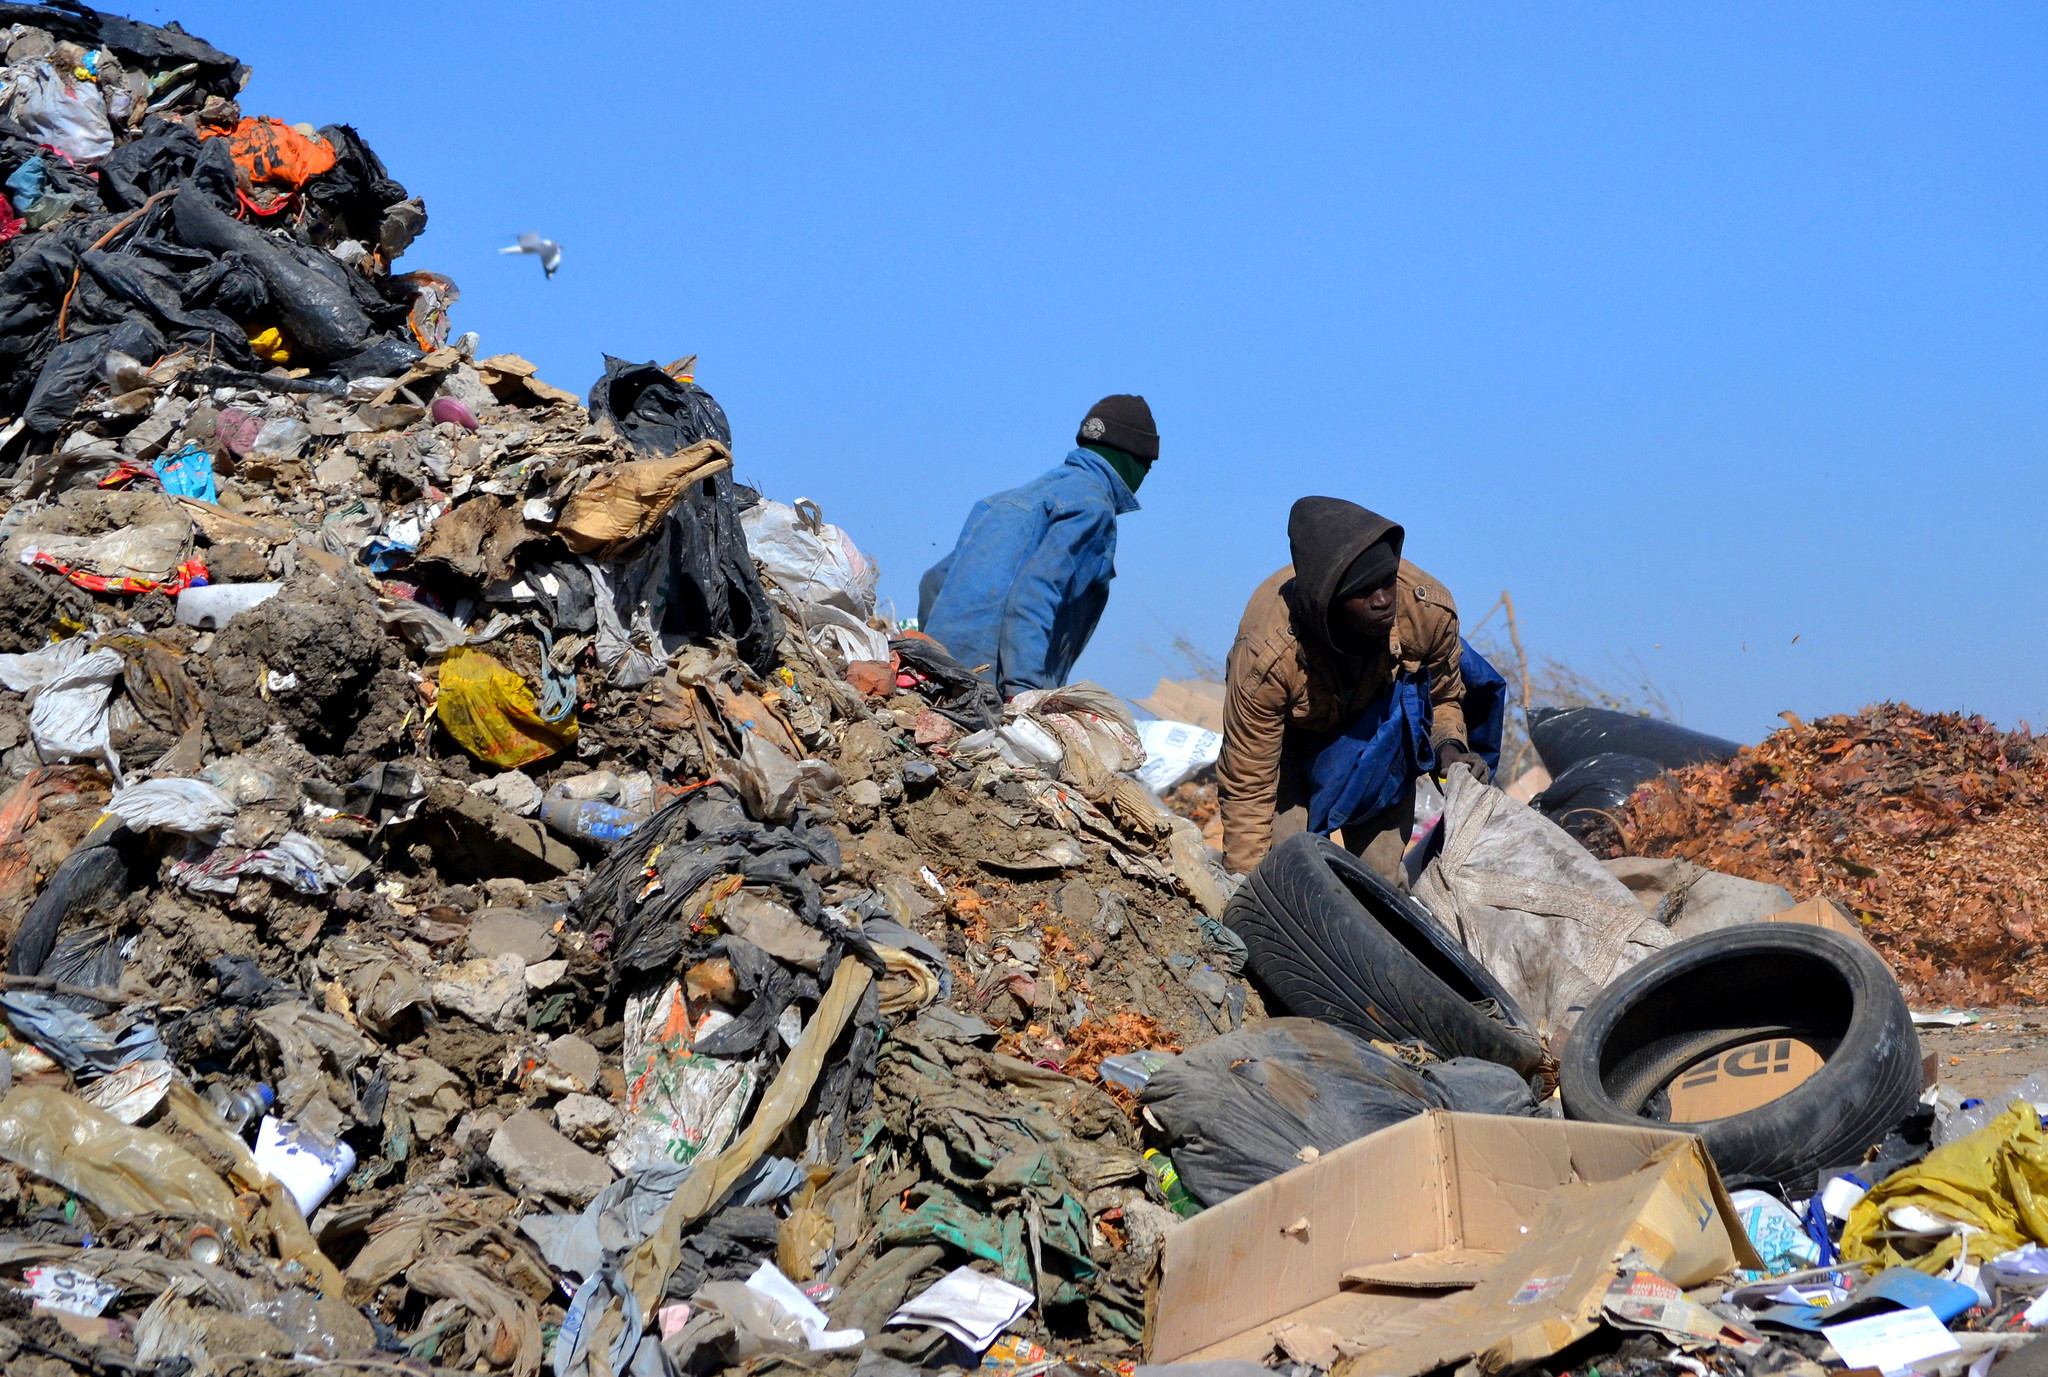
[(1929, 826)]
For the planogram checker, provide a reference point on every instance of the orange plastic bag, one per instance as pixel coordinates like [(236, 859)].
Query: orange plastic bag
[(489, 710), (271, 153)]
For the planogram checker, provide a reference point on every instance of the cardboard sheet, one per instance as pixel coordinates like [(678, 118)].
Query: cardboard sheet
[(1348, 1261)]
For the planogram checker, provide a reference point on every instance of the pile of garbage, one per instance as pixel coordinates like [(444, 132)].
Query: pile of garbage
[(481, 887), (1928, 826), (485, 890)]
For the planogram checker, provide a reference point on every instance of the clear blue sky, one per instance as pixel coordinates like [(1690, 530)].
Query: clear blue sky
[(1701, 328)]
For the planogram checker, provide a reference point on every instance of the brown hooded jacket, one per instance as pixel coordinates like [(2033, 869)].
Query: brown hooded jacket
[(1285, 672)]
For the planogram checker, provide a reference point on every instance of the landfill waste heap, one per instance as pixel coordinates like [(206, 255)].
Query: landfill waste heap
[(484, 891), (337, 661)]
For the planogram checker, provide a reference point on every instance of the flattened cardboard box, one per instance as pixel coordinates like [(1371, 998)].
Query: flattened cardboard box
[(1448, 1237)]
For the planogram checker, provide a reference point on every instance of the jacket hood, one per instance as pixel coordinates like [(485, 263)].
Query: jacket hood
[(1325, 534)]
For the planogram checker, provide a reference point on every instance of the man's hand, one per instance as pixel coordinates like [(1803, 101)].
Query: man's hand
[(1457, 753)]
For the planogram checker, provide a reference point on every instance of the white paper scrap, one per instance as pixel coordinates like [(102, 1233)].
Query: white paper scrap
[(769, 1281), (971, 1306), (1891, 1342), (69, 1290)]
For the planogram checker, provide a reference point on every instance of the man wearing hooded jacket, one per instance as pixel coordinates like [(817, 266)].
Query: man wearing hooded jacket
[(1344, 686)]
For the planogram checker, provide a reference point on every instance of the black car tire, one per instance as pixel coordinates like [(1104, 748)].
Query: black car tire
[(1330, 939), (1723, 989)]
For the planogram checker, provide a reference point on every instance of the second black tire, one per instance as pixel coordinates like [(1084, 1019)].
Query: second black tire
[(1330, 939), (1723, 989)]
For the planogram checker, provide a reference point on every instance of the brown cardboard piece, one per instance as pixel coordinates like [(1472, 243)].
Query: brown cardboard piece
[(1821, 913), (1197, 702), (1468, 1235), (1741, 1079)]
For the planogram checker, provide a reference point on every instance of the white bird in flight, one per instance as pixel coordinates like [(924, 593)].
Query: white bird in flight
[(550, 252)]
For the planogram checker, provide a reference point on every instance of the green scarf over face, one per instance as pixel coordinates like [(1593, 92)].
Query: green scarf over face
[(1128, 467)]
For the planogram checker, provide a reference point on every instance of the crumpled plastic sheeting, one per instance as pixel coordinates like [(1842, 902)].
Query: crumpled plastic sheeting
[(190, 806), (822, 580), (1013, 1151), (679, 1105), (29, 672), (490, 712), (1995, 1182), (69, 718), (74, 1041), (294, 859), (700, 836), (120, 1169), (1545, 919)]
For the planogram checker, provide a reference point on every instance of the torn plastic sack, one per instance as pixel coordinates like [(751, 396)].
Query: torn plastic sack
[(122, 1170), (1246, 1106), (294, 859), (57, 111), (141, 554), (1545, 919), (953, 690), (28, 672), (1983, 1194), (713, 586), (809, 559), (1175, 752), (679, 1105), (188, 473), (190, 806), (69, 717), (490, 712)]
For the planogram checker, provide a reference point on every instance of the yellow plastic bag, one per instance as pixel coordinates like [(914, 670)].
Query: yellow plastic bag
[(1995, 1182), (489, 710)]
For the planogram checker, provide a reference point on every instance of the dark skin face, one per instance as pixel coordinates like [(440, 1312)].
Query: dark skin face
[(1365, 620)]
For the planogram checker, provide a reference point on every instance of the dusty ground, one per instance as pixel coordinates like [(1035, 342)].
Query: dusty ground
[(1990, 1056)]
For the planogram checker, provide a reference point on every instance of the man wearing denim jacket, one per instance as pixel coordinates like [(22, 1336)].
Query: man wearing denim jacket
[(1020, 594)]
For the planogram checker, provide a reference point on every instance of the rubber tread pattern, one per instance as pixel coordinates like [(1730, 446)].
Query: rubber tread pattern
[(1324, 954), (1864, 1089)]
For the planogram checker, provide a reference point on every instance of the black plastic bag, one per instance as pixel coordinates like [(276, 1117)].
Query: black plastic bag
[(954, 690), (1584, 799), (353, 195), (711, 587), (1238, 1110), (162, 157), (319, 312), (1565, 736), (655, 413)]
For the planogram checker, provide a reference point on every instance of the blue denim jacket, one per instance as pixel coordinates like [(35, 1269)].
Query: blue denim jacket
[(1028, 580)]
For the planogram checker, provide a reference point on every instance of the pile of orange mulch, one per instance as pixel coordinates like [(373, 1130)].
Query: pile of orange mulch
[(1928, 826)]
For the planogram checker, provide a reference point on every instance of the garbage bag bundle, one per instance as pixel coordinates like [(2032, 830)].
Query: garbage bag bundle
[(1584, 799), (709, 586), (1545, 919), (954, 690), (137, 233), (1565, 736), (1598, 757), (1241, 1109)]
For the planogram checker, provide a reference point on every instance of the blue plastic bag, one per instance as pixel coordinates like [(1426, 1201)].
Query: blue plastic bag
[(188, 473)]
